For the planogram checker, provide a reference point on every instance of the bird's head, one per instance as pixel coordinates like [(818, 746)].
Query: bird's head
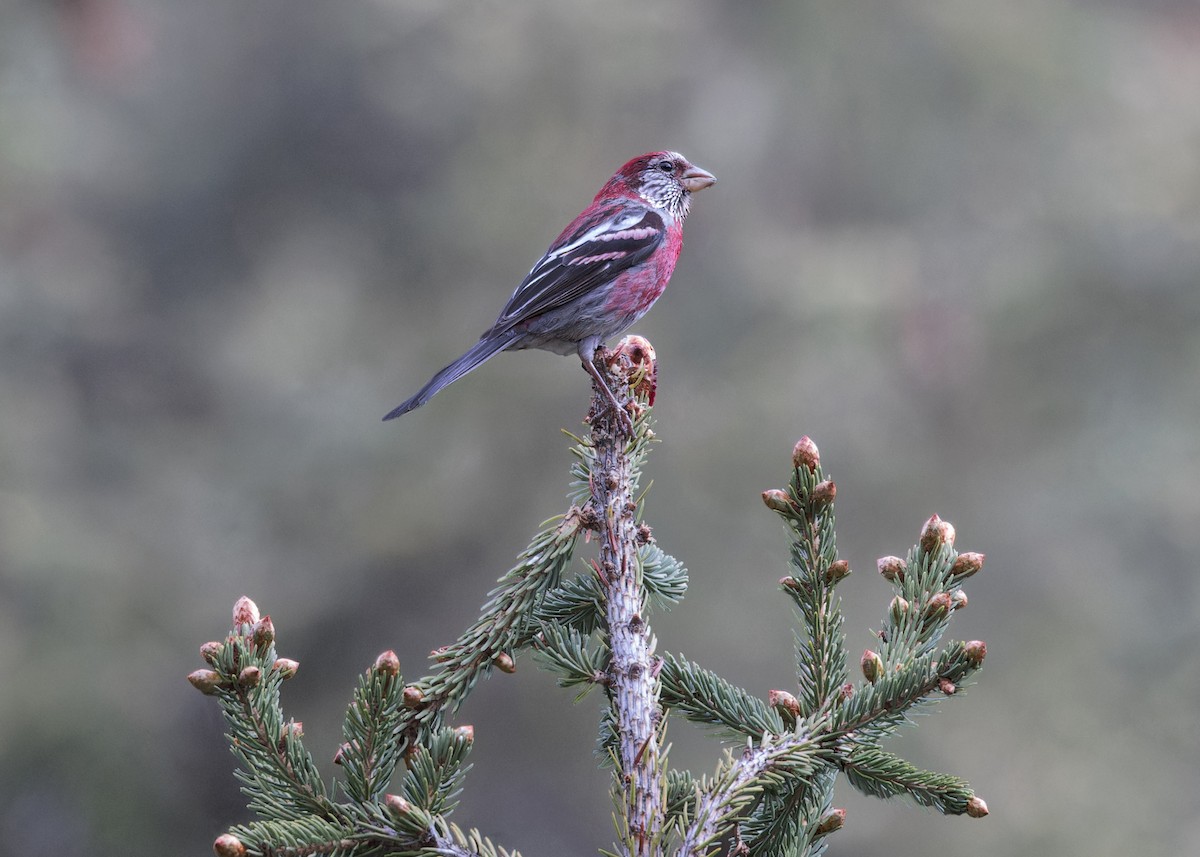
[(665, 180)]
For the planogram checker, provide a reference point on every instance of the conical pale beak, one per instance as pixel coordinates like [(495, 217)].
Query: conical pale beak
[(696, 179)]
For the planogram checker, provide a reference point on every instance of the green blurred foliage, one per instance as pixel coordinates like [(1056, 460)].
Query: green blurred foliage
[(956, 243)]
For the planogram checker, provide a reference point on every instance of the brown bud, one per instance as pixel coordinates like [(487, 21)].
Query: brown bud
[(805, 454), (286, 667), (466, 732), (958, 599), (505, 663), (946, 686), (205, 681), (778, 501), (824, 493), (966, 564), (898, 608), (833, 820), (340, 755), (229, 845), (845, 691), (976, 651), (641, 355), (892, 568), (412, 696), (387, 664), (250, 676), (441, 653), (397, 804), (837, 571), (872, 666), (245, 612), (783, 700), (976, 808), (939, 605), (211, 652), (793, 583), (936, 533), (293, 729), (264, 632)]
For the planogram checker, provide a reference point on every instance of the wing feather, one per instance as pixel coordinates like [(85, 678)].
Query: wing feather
[(615, 238)]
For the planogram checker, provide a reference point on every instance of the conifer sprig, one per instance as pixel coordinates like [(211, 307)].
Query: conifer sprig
[(505, 625), (774, 797)]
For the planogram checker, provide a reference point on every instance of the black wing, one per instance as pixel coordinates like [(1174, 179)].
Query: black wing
[(612, 239)]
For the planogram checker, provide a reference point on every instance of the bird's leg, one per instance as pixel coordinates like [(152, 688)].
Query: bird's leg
[(587, 355)]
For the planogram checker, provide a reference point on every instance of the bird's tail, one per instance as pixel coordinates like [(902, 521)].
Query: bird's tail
[(482, 351)]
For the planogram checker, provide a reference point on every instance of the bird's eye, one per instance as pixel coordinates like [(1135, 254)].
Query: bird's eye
[(667, 166)]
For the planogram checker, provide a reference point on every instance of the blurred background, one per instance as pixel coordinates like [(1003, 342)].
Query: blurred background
[(958, 244)]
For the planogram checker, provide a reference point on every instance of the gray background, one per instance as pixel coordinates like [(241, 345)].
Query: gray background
[(956, 243)]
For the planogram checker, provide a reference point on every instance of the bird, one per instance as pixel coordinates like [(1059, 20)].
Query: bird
[(598, 277)]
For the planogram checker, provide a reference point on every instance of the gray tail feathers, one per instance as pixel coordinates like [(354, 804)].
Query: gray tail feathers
[(483, 350)]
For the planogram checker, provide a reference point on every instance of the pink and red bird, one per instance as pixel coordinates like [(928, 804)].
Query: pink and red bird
[(599, 276)]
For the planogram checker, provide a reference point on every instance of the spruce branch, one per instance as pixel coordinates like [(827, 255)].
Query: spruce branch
[(564, 650), (372, 729), (278, 775), (704, 697), (592, 629), (881, 774), (612, 463), (505, 625), (773, 762), (806, 508)]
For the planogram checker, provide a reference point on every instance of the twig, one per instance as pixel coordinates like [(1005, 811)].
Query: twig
[(634, 688)]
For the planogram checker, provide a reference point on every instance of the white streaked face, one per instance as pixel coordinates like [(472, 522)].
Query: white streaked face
[(668, 180)]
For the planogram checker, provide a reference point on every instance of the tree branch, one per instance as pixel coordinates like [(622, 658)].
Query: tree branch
[(633, 673)]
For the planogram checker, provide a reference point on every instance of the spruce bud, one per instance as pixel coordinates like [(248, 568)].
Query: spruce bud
[(939, 605), (946, 686), (958, 599), (833, 820), (837, 571), (976, 808), (286, 667), (778, 501), (245, 612), (892, 568), (898, 608), (505, 663), (966, 564), (228, 845), (872, 666), (249, 676), (211, 652), (466, 732), (387, 664), (784, 701), (824, 493), (397, 804), (845, 691), (641, 355), (976, 651), (293, 729), (412, 696), (205, 681), (264, 632), (805, 454), (936, 533), (340, 756)]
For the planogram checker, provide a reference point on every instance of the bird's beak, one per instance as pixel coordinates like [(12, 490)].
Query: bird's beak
[(696, 179)]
